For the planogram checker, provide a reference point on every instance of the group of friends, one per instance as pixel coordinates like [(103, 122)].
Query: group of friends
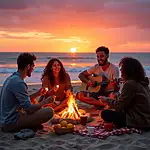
[(126, 106)]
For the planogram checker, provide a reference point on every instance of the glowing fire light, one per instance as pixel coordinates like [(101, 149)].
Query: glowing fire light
[(57, 86), (46, 89), (71, 111)]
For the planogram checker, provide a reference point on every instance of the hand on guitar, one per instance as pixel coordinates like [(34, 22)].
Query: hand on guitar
[(103, 99)]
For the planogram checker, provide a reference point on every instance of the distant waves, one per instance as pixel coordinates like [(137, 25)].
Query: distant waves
[(40, 69), (59, 57)]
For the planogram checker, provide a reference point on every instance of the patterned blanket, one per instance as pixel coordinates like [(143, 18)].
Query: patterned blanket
[(99, 132)]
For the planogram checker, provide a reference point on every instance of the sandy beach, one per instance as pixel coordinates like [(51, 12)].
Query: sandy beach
[(49, 140)]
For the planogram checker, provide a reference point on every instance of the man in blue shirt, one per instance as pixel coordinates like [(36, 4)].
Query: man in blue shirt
[(14, 95)]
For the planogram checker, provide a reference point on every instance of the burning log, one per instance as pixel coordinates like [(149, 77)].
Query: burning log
[(71, 111), (74, 116), (60, 113), (76, 110)]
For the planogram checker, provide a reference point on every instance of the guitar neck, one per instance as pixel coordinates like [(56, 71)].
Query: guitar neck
[(107, 81)]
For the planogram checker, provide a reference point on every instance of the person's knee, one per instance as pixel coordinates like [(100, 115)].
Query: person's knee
[(104, 114), (113, 95), (48, 113), (80, 95)]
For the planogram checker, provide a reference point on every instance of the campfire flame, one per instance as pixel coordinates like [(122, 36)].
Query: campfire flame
[(72, 110)]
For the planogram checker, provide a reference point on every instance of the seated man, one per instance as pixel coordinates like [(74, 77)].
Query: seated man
[(107, 75), (14, 95)]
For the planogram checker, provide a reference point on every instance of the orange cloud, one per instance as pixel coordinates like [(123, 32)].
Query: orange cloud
[(61, 24)]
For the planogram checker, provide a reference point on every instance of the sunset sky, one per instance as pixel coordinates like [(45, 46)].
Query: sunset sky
[(58, 25)]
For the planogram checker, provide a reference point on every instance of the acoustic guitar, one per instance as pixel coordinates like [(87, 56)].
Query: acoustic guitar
[(99, 81)]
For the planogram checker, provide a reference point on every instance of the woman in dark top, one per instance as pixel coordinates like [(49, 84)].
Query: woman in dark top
[(132, 108), (55, 75)]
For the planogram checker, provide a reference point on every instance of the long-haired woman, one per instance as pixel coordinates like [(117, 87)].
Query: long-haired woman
[(132, 108), (57, 80)]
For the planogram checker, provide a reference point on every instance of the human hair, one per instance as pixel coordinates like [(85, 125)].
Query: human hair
[(103, 49), (49, 73), (25, 59), (132, 69)]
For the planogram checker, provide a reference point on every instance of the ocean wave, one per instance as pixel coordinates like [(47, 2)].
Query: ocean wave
[(36, 75), (76, 69), (49, 56), (13, 58), (76, 58), (40, 69), (68, 58), (7, 70)]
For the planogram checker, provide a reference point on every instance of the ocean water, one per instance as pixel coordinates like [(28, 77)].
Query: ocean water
[(73, 63)]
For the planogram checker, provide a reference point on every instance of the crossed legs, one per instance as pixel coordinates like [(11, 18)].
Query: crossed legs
[(30, 120), (82, 96)]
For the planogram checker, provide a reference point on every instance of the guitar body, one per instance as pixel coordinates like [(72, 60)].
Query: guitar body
[(110, 85), (84, 86)]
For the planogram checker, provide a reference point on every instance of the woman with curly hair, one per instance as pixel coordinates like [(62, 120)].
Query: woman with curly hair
[(132, 108), (57, 80)]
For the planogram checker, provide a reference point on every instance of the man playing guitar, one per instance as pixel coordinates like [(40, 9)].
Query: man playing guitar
[(106, 77)]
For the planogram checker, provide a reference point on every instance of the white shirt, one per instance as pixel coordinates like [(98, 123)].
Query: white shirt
[(112, 72)]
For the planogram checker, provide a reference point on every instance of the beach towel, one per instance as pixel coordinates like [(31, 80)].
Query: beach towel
[(99, 132)]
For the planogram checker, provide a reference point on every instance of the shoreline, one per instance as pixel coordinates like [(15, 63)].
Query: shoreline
[(74, 83), (36, 86)]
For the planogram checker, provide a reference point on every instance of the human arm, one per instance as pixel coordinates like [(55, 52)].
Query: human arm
[(116, 73), (114, 83), (68, 92), (83, 76), (35, 107), (35, 95), (21, 93), (46, 84), (40, 92), (124, 99), (63, 104), (68, 85)]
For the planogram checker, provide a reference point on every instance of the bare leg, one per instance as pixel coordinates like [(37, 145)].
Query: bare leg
[(59, 107), (89, 100), (31, 120), (51, 105)]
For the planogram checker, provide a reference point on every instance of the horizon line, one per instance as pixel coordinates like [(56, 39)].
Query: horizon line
[(70, 52)]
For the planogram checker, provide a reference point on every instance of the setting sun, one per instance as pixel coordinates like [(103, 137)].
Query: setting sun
[(73, 50)]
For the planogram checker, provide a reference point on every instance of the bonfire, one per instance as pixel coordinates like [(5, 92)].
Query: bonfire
[(72, 111)]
